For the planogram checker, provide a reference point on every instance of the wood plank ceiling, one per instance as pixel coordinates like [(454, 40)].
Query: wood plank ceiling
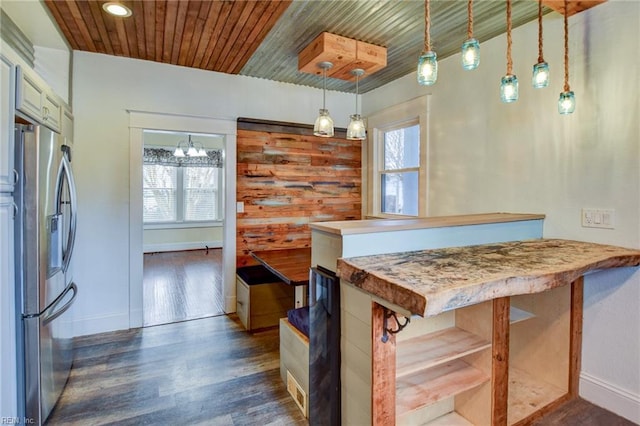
[(263, 38), (210, 35)]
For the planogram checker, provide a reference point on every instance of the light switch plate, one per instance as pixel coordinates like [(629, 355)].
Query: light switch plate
[(239, 207), (598, 218)]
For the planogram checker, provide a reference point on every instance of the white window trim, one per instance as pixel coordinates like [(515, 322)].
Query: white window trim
[(414, 111)]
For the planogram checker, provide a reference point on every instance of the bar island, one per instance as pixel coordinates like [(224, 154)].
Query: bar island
[(474, 323)]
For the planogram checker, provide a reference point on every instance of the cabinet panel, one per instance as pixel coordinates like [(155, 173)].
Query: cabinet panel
[(67, 126), (29, 95), (7, 93), (8, 385)]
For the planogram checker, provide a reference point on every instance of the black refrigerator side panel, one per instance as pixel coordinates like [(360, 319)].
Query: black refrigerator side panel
[(324, 348)]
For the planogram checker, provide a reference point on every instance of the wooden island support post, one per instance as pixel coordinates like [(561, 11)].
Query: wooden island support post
[(495, 330)]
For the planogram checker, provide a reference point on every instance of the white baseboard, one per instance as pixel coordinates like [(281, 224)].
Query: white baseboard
[(610, 397), (102, 324), (199, 245)]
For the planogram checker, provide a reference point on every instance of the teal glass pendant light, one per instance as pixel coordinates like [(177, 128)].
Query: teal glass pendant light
[(356, 129), (428, 61), (324, 123), (567, 100), (509, 83), (509, 88), (471, 46), (540, 77)]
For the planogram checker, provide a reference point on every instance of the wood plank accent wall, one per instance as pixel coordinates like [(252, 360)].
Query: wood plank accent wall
[(288, 178)]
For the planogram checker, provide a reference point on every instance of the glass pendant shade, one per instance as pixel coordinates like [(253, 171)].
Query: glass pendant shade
[(470, 54), (324, 124), (178, 152), (540, 76), (192, 152), (567, 102), (427, 68), (509, 88), (356, 129)]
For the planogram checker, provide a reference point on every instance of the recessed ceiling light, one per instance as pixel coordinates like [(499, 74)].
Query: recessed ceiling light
[(117, 9)]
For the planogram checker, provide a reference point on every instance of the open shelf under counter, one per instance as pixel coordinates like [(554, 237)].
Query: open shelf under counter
[(450, 419), (528, 394), (435, 384), (517, 315), (433, 349)]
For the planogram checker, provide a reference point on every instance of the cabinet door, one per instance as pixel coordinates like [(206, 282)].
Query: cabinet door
[(8, 385), (7, 93), (29, 95)]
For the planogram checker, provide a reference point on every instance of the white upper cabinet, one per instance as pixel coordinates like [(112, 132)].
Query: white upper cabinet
[(7, 112), (36, 100), (67, 125)]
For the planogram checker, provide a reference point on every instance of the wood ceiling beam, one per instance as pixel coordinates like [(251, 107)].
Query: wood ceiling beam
[(573, 6)]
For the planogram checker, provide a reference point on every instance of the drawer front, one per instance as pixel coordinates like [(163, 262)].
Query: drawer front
[(242, 302)]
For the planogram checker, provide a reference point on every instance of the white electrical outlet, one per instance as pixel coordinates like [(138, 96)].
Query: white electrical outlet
[(598, 218), (239, 207)]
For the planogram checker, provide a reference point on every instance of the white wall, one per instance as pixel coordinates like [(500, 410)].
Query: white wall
[(525, 157), (104, 88)]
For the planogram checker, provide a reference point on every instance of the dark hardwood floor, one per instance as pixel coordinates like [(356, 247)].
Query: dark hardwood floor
[(182, 285), (581, 413), (205, 372), (202, 372)]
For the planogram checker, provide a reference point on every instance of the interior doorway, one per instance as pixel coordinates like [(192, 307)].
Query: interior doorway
[(140, 122), (182, 194)]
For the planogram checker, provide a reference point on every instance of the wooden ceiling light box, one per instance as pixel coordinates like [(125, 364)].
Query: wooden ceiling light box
[(369, 57), (573, 6), (344, 53), (338, 50)]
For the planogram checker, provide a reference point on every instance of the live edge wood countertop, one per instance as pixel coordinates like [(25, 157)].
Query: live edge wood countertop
[(428, 282)]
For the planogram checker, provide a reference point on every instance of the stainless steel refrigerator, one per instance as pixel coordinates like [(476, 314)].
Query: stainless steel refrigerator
[(45, 234)]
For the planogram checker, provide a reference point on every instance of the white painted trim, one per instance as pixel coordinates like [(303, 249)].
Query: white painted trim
[(181, 123), (200, 245), (143, 120), (413, 111), (610, 397)]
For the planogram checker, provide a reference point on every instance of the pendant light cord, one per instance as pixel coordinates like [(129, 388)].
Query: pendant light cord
[(357, 78), (427, 27), (566, 48), (470, 22), (509, 41), (324, 87), (540, 58)]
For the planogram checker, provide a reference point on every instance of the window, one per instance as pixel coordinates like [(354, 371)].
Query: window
[(160, 193), (397, 162), (178, 193), (400, 172)]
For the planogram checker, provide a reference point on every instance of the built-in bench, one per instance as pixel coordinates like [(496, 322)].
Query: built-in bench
[(262, 298)]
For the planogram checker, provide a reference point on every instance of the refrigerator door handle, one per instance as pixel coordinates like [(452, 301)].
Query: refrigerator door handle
[(56, 312), (65, 172)]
